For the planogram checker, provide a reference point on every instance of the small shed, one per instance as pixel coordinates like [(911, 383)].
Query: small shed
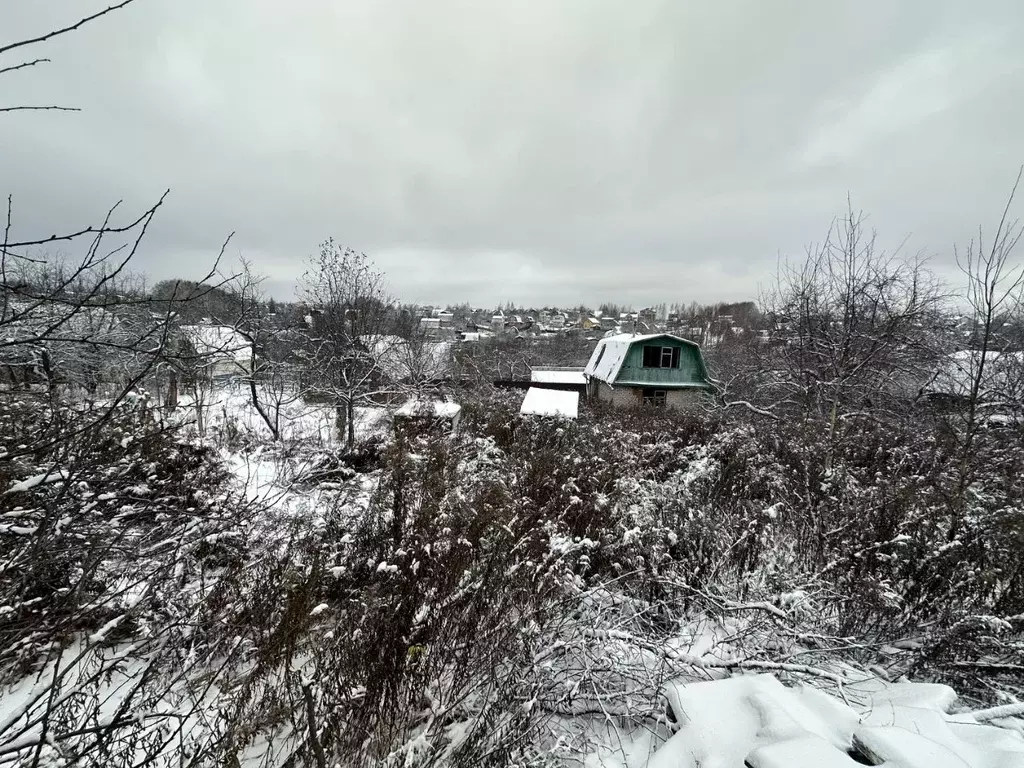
[(550, 402)]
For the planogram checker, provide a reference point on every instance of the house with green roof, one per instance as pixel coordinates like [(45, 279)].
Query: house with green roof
[(653, 369)]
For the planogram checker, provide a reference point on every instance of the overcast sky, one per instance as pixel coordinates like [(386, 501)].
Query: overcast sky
[(539, 151)]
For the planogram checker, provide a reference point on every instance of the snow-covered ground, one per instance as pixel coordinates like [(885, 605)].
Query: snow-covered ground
[(730, 721), (229, 406)]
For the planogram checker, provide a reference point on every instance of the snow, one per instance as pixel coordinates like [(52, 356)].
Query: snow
[(219, 341), (103, 680), (558, 377), (100, 635), (608, 356), (315, 423), (724, 720), (802, 751), (884, 699), (610, 353), (755, 720), (440, 409), (903, 747), (550, 402), (31, 482)]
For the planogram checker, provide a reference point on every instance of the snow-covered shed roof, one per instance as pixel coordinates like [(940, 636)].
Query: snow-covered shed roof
[(558, 377), (609, 354), (551, 402)]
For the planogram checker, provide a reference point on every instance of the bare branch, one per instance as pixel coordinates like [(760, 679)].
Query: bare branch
[(51, 108), (72, 28), (23, 65), (105, 229)]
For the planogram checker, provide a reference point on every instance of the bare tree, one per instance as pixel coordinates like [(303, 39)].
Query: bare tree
[(350, 307), (994, 296), (272, 370), (850, 327)]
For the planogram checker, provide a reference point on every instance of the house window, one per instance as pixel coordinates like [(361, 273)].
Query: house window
[(661, 357), (655, 397)]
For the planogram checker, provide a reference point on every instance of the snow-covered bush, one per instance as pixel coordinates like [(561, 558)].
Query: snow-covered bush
[(453, 600), (116, 549)]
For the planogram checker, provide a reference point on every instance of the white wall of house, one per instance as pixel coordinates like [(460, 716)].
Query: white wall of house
[(620, 397), (684, 399), (625, 397)]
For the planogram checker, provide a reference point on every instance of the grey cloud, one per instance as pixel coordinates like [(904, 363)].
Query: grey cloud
[(562, 151)]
